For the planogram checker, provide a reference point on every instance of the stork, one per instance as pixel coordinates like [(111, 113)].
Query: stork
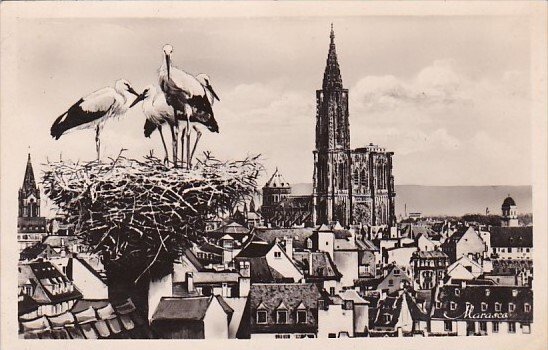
[(93, 110), (205, 119), (157, 113), (184, 94)]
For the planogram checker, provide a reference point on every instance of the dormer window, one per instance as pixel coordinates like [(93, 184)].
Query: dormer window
[(387, 318), (511, 307), (281, 314), (527, 307), (514, 292), (301, 316), (457, 292), (261, 316), (487, 292), (483, 306), (452, 305)]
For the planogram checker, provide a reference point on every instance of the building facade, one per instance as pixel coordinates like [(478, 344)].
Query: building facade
[(351, 186)]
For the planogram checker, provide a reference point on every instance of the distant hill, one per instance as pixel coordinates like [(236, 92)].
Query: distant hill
[(450, 200)]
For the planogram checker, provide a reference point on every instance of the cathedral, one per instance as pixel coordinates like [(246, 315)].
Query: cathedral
[(350, 186), (31, 227)]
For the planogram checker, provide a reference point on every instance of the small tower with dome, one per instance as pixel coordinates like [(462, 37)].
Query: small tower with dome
[(509, 213)]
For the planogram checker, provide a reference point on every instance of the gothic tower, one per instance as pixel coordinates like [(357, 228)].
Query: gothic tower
[(29, 195), (31, 227), (332, 185)]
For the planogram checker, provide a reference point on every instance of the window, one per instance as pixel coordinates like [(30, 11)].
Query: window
[(511, 307), (331, 290), (511, 327), (301, 316), (527, 307), (514, 292), (387, 318), (390, 283), (281, 316), (457, 292), (277, 255), (487, 292), (495, 326), (525, 328), (261, 316), (438, 304), (498, 306), (453, 305), (332, 335), (396, 272), (448, 326), (483, 326), (483, 306)]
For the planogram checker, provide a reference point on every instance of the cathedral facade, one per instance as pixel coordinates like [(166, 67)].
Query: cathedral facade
[(351, 186)]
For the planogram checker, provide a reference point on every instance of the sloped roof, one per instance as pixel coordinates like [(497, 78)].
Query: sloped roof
[(215, 277), (182, 308), (277, 180), (508, 201), (323, 267), (299, 235), (98, 320), (255, 248), (429, 254), (512, 236)]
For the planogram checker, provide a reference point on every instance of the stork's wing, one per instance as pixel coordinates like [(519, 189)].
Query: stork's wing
[(86, 110), (160, 106), (182, 89)]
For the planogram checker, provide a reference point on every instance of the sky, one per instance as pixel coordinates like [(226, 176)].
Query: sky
[(450, 96)]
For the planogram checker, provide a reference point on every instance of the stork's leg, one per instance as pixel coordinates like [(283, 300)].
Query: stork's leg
[(97, 143), (198, 135), (183, 145), (188, 155), (166, 158), (174, 144)]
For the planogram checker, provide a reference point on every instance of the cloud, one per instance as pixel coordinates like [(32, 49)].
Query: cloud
[(441, 115)]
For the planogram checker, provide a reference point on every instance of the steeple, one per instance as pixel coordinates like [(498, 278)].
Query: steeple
[(28, 182), (332, 75)]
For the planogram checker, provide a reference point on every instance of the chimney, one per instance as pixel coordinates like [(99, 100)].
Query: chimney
[(190, 282), (463, 284), (289, 247)]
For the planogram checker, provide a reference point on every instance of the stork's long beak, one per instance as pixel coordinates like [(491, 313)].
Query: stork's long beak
[(168, 65), (210, 88), (131, 91), (138, 99)]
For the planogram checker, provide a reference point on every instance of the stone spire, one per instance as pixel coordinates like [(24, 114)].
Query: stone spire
[(29, 184), (332, 75)]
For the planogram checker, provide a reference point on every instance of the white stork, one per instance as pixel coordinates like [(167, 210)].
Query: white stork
[(184, 94), (157, 112), (93, 110), (203, 118)]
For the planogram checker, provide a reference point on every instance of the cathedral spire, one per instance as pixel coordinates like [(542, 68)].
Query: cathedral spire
[(28, 181), (332, 75)]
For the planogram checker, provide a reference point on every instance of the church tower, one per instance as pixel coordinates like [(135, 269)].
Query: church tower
[(31, 227), (332, 185), (509, 213), (29, 195)]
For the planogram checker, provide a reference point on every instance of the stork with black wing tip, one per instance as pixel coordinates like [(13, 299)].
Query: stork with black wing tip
[(157, 113), (186, 95), (93, 110)]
